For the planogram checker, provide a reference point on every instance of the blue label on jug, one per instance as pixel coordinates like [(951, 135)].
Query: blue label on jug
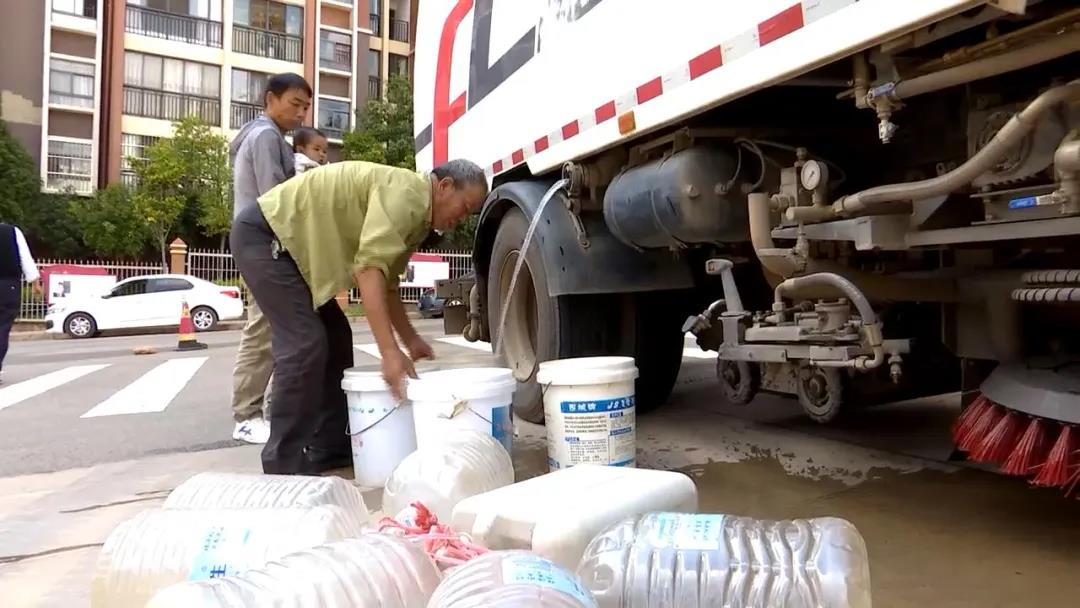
[(502, 427), (537, 571), (221, 553), (690, 531)]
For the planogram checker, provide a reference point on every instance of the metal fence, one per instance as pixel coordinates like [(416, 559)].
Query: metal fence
[(214, 266)]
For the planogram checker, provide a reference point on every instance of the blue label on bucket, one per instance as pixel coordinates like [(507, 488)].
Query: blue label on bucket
[(502, 427), (594, 407)]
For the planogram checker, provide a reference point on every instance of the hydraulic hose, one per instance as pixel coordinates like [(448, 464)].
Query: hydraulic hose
[(1014, 131)]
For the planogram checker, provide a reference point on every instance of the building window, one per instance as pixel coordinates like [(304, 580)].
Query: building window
[(194, 21), (333, 117), (399, 65), (247, 97), (79, 8), (68, 168), (171, 89), (269, 29), (374, 70), (132, 146), (71, 83), (375, 17), (335, 50)]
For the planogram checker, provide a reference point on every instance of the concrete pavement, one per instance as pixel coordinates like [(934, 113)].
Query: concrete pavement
[(938, 534)]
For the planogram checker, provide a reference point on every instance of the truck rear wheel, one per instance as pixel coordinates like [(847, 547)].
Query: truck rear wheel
[(542, 328)]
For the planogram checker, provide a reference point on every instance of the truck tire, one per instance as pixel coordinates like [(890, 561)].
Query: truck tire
[(542, 328)]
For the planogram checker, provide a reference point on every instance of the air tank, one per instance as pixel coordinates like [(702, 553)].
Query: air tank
[(691, 196)]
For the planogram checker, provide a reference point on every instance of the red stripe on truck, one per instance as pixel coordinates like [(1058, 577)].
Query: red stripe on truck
[(497, 166), (605, 112), (443, 115), (650, 90), (518, 156), (541, 144), (706, 62), (780, 25), (570, 129)]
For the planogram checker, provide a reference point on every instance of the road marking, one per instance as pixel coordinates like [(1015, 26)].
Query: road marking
[(370, 349), (33, 387), (152, 392), (697, 353), (462, 342)]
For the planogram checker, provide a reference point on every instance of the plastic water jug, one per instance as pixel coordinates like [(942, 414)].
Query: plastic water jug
[(556, 515), (242, 491), (693, 560), (373, 571), (511, 579), (464, 464), (157, 548)]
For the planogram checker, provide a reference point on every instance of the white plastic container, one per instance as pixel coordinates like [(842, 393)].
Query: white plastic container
[(463, 464), (477, 398), (685, 559), (246, 491), (382, 430), (373, 571), (556, 515), (157, 548), (589, 411), (511, 579)]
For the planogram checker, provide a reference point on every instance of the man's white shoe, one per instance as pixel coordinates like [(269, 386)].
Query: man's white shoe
[(255, 430)]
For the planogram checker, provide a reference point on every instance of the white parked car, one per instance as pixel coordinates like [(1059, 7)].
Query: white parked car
[(146, 301)]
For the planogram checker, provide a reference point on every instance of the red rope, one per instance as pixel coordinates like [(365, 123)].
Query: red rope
[(448, 548)]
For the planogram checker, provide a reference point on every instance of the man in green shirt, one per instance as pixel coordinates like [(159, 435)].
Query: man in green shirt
[(313, 237)]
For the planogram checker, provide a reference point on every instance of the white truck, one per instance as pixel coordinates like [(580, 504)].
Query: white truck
[(848, 200)]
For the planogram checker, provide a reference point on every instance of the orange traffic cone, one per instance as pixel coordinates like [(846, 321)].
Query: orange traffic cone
[(187, 339)]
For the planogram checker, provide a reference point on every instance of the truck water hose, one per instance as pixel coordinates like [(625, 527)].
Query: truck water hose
[(1014, 131)]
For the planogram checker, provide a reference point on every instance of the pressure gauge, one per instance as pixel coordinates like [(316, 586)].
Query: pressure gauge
[(812, 174)]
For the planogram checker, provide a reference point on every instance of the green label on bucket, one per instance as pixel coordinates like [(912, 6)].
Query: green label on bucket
[(502, 427)]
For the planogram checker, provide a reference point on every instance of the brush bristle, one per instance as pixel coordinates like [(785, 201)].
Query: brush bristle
[(969, 416), (1055, 471), (1000, 441), (980, 428), (1030, 451)]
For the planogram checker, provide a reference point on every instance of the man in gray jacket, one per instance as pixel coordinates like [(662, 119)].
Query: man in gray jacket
[(262, 159)]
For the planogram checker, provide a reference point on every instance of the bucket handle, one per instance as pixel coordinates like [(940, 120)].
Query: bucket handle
[(368, 427), (467, 408)]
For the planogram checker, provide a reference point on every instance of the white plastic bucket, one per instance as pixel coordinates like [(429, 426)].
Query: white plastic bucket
[(476, 398), (381, 430), (589, 411)]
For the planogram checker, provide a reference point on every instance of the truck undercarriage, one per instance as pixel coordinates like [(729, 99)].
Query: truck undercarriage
[(898, 223)]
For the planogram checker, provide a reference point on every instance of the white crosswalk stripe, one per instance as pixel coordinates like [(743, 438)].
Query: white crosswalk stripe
[(369, 349), (152, 392), (462, 342), (16, 393)]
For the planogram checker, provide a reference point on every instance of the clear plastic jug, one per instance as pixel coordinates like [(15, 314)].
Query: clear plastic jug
[(373, 571), (157, 548), (511, 579), (694, 560), (241, 491), (441, 475)]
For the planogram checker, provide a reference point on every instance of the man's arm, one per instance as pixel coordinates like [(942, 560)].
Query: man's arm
[(395, 365), (29, 267), (266, 161)]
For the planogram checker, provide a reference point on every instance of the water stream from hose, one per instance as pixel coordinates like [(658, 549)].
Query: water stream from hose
[(559, 185)]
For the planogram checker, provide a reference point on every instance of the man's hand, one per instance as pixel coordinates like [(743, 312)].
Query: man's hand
[(35, 288), (418, 349), (396, 369)]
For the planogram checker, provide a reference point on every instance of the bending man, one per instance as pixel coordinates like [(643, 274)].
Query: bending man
[(314, 236)]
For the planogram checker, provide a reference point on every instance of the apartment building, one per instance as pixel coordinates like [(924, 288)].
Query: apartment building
[(95, 82)]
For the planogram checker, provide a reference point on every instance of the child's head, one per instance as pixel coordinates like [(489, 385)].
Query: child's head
[(311, 143)]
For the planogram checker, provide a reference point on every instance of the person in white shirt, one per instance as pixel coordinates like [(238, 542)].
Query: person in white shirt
[(16, 266), (309, 149)]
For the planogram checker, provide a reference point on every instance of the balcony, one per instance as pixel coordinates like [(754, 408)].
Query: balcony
[(375, 23), (68, 167), (171, 26), (264, 43), (241, 113), (374, 87), (167, 105), (335, 56), (399, 30), (76, 8)]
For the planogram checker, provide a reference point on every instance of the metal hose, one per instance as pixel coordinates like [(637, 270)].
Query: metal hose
[(1047, 294), (1051, 277), (1014, 131)]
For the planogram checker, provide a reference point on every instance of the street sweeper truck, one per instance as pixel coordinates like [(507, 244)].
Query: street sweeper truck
[(849, 201)]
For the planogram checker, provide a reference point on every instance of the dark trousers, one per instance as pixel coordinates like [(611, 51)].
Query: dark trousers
[(10, 298), (311, 348)]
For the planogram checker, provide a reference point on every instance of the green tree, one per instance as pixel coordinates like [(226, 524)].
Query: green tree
[(159, 198), (384, 129), (20, 183), (207, 183), (52, 227), (111, 226)]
